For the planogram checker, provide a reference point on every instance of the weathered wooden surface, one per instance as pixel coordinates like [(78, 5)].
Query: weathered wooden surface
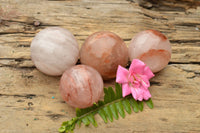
[(26, 104)]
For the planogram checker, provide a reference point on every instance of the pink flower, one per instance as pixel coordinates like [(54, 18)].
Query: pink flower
[(136, 80)]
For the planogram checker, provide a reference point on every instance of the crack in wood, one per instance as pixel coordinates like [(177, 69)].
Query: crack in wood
[(192, 77), (152, 17), (28, 96), (156, 83), (16, 63), (5, 33), (30, 21), (18, 67), (192, 24), (184, 41), (55, 116), (191, 62), (127, 39), (15, 59), (27, 76), (195, 72), (167, 5), (23, 45), (20, 100)]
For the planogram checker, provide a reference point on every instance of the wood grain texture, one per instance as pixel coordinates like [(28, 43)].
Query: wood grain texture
[(26, 94)]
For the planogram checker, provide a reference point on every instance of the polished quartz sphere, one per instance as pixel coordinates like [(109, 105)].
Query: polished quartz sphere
[(151, 47), (53, 50), (104, 51), (81, 86)]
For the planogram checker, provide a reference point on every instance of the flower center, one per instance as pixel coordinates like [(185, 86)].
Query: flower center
[(133, 79), (136, 81)]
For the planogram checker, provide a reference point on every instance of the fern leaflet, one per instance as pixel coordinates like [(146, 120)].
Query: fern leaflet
[(112, 106)]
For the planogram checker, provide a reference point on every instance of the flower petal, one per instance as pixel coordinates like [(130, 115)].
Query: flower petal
[(144, 81), (122, 75), (137, 67), (146, 94), (139, 92), (125, 90), (148, 72), (136, 84), (134, 93)]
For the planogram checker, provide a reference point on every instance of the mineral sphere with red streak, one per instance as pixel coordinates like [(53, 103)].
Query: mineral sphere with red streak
[(81, 86), (151, 47), (104, 51), (53, 50)]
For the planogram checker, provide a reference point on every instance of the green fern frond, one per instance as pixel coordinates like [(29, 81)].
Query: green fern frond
[(112, 106)]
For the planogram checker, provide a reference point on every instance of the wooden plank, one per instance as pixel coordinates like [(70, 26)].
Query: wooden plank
[(28, 93), (123, 18)]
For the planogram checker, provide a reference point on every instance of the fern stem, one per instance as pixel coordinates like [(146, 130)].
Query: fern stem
[(107, 104)]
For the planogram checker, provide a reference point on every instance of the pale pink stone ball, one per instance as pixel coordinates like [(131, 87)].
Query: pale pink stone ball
[(81, 86), (53, 50), (151, 47), (104, 51)]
